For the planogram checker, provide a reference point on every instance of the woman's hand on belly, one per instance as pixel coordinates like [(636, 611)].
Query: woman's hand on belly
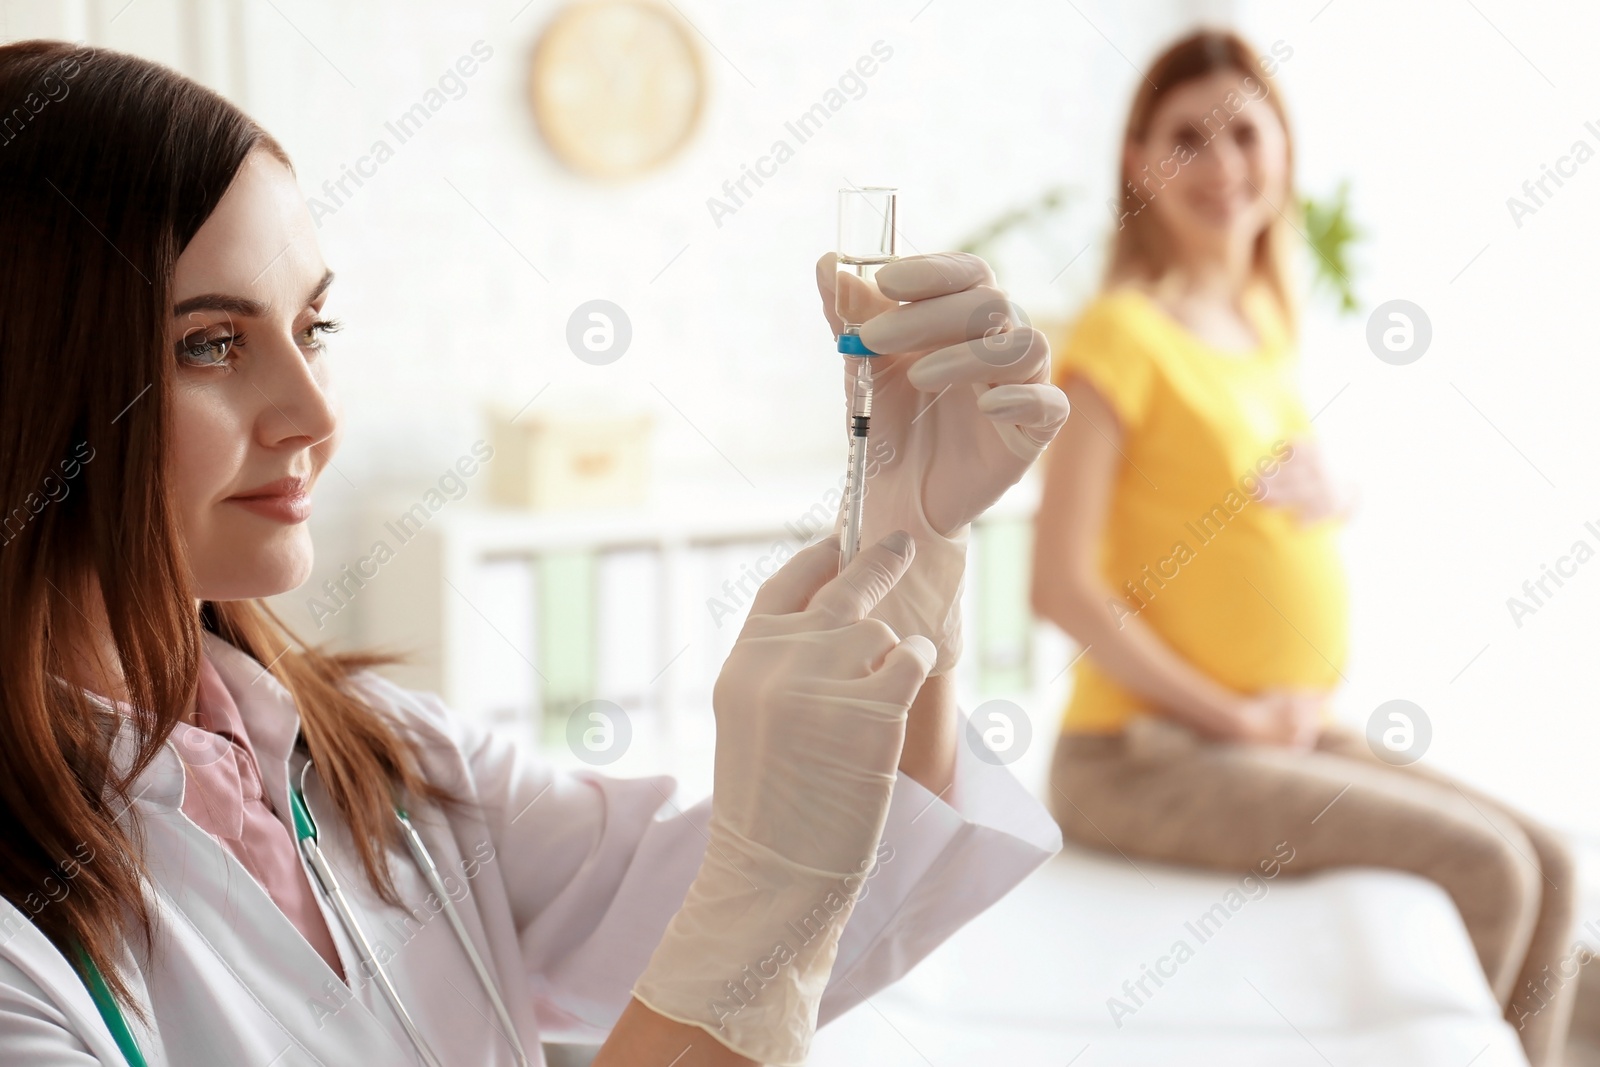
[(1304, 485), (1290, 718)]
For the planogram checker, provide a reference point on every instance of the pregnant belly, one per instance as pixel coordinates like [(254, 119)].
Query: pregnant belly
[(1257, 608)]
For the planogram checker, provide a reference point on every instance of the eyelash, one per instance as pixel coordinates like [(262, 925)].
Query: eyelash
[(190, 352), (323, 327)]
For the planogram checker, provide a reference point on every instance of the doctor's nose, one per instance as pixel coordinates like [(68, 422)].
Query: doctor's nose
[(296, 396)]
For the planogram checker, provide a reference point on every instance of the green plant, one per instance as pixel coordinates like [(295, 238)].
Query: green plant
[(1331, 232)]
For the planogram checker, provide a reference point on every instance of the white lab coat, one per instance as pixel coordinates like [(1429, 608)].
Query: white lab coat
[(573, 877)]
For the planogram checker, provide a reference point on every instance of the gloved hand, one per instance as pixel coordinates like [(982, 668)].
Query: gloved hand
[(811, 712), (962, 405)]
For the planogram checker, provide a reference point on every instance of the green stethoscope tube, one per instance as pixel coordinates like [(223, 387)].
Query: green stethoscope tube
[(109, 1011), (305, 831)]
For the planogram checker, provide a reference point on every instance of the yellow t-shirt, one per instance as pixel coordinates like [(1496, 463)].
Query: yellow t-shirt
[(1238, 588)]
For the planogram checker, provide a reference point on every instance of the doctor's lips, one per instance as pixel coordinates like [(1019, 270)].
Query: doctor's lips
[(285, 500)]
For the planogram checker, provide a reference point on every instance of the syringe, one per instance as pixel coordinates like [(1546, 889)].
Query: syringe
[(855, 483), (866, 243)]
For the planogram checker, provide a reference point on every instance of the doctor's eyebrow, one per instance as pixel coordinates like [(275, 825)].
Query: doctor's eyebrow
[(239, 305)]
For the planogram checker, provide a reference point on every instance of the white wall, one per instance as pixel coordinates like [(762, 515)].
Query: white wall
[(1427, 107), (976, 111)]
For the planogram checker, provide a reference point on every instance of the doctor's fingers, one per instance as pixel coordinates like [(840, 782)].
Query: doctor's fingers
[(904, 669), (832, 663), (940, 320), (797, 581), (921, 277), (864, 673), (1027, 416), (811, 583), (1008, 357), (858, 588), (864, 298)]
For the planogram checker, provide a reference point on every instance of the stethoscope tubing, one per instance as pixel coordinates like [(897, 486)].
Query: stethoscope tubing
[(329, 884), (424, 860)]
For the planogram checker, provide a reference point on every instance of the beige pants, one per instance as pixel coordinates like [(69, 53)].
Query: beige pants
[(1158, 791)]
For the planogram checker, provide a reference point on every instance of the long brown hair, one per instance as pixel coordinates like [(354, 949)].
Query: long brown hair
[(1139, 249), (109, 164)]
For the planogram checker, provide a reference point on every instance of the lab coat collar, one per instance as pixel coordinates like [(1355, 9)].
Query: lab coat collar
[(201, 882), (270, 718)]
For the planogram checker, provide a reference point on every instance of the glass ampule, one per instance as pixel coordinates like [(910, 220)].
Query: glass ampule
[(866, 242)]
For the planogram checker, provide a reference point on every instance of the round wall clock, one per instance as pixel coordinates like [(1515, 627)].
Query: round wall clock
[(617, 86)]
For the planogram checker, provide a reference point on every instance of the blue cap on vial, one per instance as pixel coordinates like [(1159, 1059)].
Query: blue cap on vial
[(850, 344)]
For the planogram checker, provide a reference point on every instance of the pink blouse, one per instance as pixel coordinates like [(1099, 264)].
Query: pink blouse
[(224, 796)]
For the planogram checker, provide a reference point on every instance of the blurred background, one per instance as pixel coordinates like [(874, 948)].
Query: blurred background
[(549, 242)]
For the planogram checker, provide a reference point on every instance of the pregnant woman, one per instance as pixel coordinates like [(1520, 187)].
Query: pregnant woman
[(1186, 541)]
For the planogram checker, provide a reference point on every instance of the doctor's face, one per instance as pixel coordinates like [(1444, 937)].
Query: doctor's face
[(253, 419), (1213, 163)]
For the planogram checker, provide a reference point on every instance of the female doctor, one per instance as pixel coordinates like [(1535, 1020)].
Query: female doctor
[(222, 846)]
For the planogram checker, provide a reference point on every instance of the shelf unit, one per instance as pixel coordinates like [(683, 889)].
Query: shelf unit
[(516, 617)]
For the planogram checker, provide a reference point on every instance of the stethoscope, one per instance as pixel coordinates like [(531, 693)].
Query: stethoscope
[(305, 832)]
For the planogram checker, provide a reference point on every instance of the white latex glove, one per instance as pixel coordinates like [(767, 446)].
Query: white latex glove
[(811, 712), (962, 405)]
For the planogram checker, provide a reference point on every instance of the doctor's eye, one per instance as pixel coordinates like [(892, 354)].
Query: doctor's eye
[(312, 336), (199, 350)]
